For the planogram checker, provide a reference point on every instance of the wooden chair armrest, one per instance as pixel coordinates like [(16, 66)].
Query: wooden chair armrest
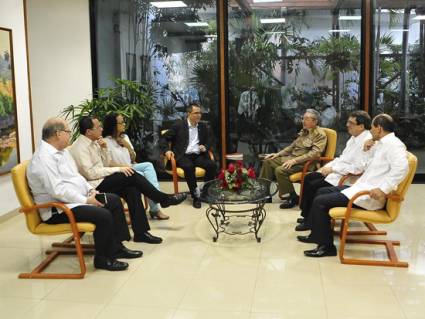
[(345, 177), (173, 164), (211, 154), (391, 196), (61, 206), (310, 161)]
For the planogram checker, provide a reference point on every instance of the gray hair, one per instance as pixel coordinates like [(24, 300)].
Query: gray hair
[(314, 114), (51, 127)]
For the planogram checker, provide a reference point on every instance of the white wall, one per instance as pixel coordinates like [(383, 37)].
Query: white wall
[(12, 17), (60, 59), (60, 65)]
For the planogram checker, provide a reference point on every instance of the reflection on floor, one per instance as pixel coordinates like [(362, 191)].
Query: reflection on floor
[(189, 276)]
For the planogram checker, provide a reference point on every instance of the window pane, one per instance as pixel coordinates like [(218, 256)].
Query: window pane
[(172, 49), (285, 58), (400, 70)]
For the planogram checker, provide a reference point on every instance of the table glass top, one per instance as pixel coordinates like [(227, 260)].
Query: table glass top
[(260, 190)]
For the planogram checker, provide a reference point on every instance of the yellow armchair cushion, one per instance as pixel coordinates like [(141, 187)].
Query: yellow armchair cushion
[(199, 172), (296, 177), (46, 229), (368, 216)]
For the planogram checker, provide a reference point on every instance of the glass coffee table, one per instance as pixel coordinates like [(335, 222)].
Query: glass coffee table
[(223, 206)]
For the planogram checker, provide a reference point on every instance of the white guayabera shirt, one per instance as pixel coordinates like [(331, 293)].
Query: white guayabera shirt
[(53, 176), (353, 159), (386, 169)]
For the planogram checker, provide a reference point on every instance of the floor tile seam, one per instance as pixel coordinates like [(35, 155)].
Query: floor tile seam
[(325, 298), (101, 310), (398, 302), (118, 289), (195, 273), (24, 315), (255, 283)]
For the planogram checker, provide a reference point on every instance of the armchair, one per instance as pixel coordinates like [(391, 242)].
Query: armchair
[(384, 216), (177, 172), (327, 156), (35, 225)]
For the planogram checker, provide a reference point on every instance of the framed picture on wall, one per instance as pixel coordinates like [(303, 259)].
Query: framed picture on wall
[(9, 150)]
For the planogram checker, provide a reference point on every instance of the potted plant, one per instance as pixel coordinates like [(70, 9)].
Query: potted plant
[(133, 100)]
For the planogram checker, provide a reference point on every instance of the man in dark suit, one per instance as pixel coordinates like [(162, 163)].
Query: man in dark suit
[(189, 145)]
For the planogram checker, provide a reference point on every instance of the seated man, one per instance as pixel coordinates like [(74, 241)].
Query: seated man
[(190, 143), (352, 161), (94, 163), (53, 176), (310, 143), (387, 168)]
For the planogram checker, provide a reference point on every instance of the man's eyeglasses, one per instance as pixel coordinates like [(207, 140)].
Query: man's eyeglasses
[(351, 122)]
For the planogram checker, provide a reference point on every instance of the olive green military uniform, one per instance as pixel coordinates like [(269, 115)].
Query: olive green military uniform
[(309, 143)]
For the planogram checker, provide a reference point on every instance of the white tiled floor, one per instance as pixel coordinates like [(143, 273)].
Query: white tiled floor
[(189, 276)]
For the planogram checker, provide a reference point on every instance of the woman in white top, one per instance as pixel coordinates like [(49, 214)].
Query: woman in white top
[(122, 153)]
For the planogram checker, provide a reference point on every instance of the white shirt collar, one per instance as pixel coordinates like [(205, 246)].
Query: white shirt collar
[(190, 124)]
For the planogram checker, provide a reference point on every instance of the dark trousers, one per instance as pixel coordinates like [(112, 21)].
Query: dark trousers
[(326, 198), (130, 188), (188, 163), (312, 183), (111, 227)]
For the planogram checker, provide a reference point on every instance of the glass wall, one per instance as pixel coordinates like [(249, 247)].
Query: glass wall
[(169, 46), (399, 70), (284, 59)]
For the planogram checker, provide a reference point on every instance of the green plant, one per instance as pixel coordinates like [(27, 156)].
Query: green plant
[(133, 100)]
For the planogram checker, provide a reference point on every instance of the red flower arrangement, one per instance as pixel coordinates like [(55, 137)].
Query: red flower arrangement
[(237, 177)]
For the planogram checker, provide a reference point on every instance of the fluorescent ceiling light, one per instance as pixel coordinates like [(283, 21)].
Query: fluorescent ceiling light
[(196, 24), (273, 20), (399, 30), (211, 36), (262, 1), (342, 30), (169, 4), (350, 18), (419, 18), (388, 11), (279, 32)]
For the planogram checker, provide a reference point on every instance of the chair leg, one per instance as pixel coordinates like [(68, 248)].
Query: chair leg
[(37, 272), (175, 183), (372, 231), (389, 245)]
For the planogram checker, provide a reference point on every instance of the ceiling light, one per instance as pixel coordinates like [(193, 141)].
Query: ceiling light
[(169, 4), (419, 18), (262, 1), (394, 11), (341, 30), (399, 30), (273, 20), (196, 24), (350, 18)]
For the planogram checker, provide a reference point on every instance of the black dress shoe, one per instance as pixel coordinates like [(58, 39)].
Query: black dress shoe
[(126, 253), (196, 203), (305, 239), (110, 264), (147, 238), (321, 251), (302, 227), (173, 200), (289, 203), (300, 220), (269, 200)]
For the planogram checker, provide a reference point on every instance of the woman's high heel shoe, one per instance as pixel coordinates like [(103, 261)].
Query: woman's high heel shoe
[(159, 215)]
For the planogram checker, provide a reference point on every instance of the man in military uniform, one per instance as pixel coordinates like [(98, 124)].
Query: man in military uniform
[(310, 143)]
